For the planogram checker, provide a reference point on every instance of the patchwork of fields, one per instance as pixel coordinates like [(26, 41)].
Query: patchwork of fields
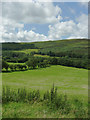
[(69, 81)]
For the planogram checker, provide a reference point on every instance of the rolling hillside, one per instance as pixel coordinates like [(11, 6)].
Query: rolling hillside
[(74, 50), (57, 46)]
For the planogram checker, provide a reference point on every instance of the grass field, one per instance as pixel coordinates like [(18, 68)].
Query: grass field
[(27, 51), (36, 110), (37, 55), (72, 81)]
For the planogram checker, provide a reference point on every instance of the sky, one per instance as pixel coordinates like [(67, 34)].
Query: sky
[(43, 21)]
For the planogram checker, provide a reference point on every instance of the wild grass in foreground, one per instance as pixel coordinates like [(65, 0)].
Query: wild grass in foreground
[(58, 106)]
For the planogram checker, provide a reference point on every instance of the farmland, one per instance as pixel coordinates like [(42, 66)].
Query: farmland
[(74, 51), (63, 64), (70, 81)]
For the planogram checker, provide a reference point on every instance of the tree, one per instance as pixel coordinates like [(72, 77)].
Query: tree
[(54, 61), (5, 65), (32, 63), (11, 67)]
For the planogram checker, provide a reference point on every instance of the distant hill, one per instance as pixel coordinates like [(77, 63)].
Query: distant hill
[(59, 48), (73, 52), (78, 46)]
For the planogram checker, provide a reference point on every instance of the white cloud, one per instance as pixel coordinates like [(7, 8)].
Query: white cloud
[(30, 36), (33, 12), (69, 28), (15, 14), (41, 13), (23, 36), (61, 29)]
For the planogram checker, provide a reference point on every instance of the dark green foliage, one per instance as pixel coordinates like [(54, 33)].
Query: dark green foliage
[(5, 65), (76, 48), (72, 53), (12, 67), (17, 46), (54, 61), (32, 62), (43, 64), (15, 57), (56, 101), (33, 96)]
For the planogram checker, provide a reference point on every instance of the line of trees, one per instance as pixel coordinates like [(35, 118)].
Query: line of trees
[(13, 67), (37, 62), (71, 54), (32, 63), (15, 57)]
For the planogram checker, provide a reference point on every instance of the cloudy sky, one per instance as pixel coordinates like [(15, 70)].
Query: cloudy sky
[(43, 21)]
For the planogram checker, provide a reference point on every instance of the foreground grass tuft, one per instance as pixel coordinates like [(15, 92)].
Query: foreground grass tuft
[(52, 101)]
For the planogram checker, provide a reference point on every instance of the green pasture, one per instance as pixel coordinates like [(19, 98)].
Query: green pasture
[(68, 80), (36, 110), (26, 51), (11, 63), (38, 55)]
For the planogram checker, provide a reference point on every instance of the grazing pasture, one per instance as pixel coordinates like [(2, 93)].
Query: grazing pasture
[(37, 97), (69, 80)]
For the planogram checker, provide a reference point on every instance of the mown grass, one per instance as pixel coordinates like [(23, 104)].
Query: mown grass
[(26, 51), (38, 55), (15, 63), (72, 82), (50, 105), (69, 80)]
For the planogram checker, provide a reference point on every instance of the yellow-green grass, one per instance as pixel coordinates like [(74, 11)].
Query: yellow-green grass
[(69, 80), (27, 51), (10, 63), (46, 56), (38, 55)]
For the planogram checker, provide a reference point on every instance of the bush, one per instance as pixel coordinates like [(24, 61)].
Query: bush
[(5, 65), (32, 63)]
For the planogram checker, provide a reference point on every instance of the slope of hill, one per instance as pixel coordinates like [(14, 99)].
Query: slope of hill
[(73, 50), (78, 46), (74, 45)]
